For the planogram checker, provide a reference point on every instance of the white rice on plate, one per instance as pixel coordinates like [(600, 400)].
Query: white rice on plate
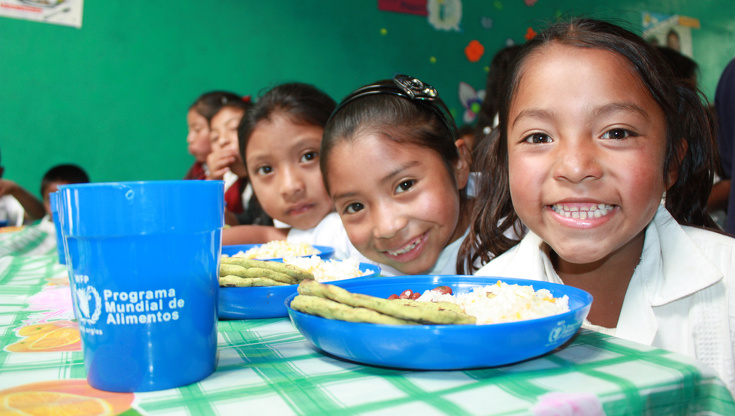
[(328, 270), (502, 302), (277, 249)]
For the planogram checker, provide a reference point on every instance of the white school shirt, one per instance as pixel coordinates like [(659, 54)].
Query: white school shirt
[(680, 297), (46, 224), (11, 211), (445, 264), (329, 232), (447, 261), (230, 178)]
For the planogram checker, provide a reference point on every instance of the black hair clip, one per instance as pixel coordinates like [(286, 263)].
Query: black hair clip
[(415, 88), (410, 88)]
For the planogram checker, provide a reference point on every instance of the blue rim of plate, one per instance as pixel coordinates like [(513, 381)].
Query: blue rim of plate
[(267, 301), (230, 250), (442, 347)]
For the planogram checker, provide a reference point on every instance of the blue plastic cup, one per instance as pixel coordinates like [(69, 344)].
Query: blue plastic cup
[(54, 202), (143, 260)]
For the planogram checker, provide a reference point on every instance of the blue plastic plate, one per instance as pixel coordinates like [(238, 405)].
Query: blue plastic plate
[(325, 252), (266, 301), (442, 347)]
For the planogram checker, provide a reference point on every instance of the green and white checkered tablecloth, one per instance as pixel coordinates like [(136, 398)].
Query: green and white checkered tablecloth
[(30, 240), (266, 367)]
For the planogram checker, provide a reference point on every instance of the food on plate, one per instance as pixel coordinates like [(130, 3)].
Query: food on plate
[(488, 304), (328, 270), (330, 309), (277, 249), (242, 272), (502, 302), (443, 305), (321, 297), (410, 294)]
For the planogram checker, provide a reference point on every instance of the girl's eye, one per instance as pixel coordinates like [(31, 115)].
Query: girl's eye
[(309, 156), (353, 208), (536, 138), (264, 170), (617, 134), (405, 186)]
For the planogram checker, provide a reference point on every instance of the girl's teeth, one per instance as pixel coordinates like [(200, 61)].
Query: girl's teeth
[(590, 211), (405, 249)]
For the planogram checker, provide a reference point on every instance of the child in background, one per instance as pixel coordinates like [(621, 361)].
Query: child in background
[(225, 163), (593, 132), (64, 174), (17, 205), (397, 173), (280, 140), (198, 118)]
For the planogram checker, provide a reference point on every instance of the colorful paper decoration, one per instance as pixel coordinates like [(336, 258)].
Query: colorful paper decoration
[(471, 101), (474, 51), (445, 14)]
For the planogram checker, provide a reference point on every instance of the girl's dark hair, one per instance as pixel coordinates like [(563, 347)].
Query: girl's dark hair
[(302, 103), (499, 66), (689, 136), (383, 108), (683, 66), (209, 103)]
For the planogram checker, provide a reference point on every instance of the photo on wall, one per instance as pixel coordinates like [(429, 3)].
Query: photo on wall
[(672, 31), (58, 12)]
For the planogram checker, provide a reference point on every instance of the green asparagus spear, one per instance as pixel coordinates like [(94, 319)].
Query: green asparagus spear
[(288, 269)]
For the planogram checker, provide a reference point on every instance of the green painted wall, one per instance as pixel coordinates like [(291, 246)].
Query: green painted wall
[(112, 96)]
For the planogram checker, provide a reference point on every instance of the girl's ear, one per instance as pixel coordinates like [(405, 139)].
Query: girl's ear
[(462, 165), (673, 174)]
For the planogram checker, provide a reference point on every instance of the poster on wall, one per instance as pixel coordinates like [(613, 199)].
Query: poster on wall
[(673, 31), (58, 12), (417, 7)]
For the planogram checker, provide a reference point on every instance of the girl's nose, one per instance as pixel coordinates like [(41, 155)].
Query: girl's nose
[(291, 183), (576, 161), (387, 221)]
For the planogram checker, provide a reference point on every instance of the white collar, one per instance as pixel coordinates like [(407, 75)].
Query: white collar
[(230, 178), (672, 267), (446, 263), (670, 258), (669, 261)]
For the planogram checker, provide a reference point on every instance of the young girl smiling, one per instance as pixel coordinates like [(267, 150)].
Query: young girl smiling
[(279, 143), (594, 132), (397, 174)]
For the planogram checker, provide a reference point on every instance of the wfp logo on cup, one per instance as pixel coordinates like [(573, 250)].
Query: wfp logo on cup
[(561, 331), (88, 297), (126, 307)]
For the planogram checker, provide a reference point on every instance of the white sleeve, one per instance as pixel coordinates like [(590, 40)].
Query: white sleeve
[(329, 232)]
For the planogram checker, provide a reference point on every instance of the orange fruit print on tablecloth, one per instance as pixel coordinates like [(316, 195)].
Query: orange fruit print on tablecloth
[(47, 337), (62, 398)]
